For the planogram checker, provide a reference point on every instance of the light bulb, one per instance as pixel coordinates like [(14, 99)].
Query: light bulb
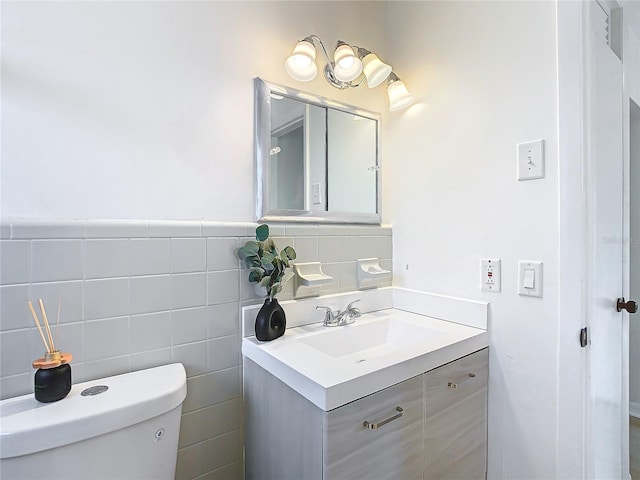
[(347, 66), (301, 63), (399, 96), (375, 70)]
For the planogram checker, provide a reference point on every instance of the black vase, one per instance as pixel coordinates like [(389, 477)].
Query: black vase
[(271, 321), (52, 384)]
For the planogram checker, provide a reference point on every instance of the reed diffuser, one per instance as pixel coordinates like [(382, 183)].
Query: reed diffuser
[(53, 374)]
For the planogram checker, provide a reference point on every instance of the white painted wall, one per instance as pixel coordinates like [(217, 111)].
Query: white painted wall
[(145, 109), (484, 76)]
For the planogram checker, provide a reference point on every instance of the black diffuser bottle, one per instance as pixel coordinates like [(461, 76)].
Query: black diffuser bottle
[(52, 384)]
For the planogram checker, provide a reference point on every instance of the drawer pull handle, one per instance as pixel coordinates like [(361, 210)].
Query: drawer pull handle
[(373, 426), (456, 385)]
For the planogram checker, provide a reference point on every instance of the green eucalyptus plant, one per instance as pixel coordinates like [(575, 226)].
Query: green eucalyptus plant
[(266, 264)]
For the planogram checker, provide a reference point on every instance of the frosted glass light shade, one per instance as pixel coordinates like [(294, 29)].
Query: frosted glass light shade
[(399, 96), (375, 70), (301, 63), (347, 65)]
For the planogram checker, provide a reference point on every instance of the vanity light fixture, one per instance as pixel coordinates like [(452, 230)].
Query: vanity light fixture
[(348, 64)]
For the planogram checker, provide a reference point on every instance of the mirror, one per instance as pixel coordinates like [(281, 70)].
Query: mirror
[(317, 159)]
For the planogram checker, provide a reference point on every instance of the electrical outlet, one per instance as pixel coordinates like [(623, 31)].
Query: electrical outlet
[(491, 274)]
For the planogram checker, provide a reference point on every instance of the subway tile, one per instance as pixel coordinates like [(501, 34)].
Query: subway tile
[(301, 230), (212, 388), (348, 280), (306, 249), (77, 372), (275, 230), (55, 260), (209, 455), (16, 385), (162, 228), (107, 367), (223, 287), (223, 352), (149, 256), (107, 338), (332, 270), (222, 253), (329, 249), (14, 313), (151, 331), (221, 229), (367, 230), (351, 248), (223, 320), (117, 229), (188, 255), (106, 258), (5, 230), (381, 247), (247, 288), (332, 230), (15, 354), (231, 471), (106, 298), (210, 422), (188, 290), (189, 325), (30, 229), (150, 359), (14, 261), (281, 242), (150, 294), (193, 356), (67, 294)]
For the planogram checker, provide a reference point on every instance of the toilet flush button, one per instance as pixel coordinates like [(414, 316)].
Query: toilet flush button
[(95, 390)]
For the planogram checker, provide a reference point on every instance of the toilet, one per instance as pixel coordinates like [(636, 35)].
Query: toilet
[(121, 427)]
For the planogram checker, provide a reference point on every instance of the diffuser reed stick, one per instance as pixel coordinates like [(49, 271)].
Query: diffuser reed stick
[(46, 325), (35, 317)]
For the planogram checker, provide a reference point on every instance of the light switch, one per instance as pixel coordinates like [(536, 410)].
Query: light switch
[(530, 278), (316, 192), (531, 160)]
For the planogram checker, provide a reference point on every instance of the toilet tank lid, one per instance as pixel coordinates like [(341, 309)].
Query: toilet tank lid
[(28, 426)]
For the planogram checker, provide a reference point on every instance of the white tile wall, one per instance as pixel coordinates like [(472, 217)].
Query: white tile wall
[(137, 294)]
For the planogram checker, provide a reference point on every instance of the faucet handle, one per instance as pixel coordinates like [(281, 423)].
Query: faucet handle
[(328, 316), (353, 311)]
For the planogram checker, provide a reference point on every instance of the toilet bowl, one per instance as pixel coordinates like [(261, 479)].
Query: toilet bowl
[(128, 430)]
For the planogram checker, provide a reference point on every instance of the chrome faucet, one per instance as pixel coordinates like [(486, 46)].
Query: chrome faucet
[(337, 318)]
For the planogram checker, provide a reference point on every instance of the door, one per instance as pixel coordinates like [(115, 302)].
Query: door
[(607, 362), (634, 289)]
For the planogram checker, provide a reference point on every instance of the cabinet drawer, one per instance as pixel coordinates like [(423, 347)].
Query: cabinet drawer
[(456, 418), (393, 450)]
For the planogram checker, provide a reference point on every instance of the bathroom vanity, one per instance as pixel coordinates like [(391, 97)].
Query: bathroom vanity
[(431, 424)]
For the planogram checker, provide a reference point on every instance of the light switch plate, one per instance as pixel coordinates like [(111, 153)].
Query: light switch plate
[(531, 160), (527, 269), (491, 274)]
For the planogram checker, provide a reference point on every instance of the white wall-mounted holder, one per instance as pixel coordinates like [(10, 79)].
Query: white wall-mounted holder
[(309, 279), (371, 274)]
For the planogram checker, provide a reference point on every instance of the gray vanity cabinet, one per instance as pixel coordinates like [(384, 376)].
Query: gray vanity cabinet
[(392, 446), (432, 426), (456, 419)]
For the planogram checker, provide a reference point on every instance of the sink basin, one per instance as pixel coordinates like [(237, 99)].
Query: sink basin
[(359, 342), (337, 365)]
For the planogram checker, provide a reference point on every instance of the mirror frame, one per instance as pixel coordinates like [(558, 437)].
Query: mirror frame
[(262, 126)]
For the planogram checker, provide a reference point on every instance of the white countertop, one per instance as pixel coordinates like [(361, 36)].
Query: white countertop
[(330, 380)]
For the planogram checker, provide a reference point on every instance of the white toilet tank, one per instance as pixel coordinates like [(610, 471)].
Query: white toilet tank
[(128, 431)]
